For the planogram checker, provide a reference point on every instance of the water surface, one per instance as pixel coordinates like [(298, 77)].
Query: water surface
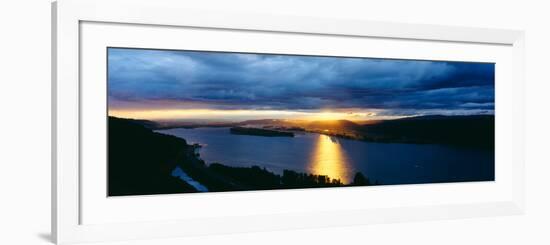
[(388, 163)]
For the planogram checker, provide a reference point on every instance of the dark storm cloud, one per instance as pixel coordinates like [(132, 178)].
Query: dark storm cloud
[(280, 82)]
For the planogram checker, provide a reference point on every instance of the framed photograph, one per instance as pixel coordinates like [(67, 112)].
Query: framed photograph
[(174, 122)]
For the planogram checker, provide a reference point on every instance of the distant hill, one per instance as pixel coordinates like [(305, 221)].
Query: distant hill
[(474, 131), (443, 117), (145, 123), (272, 122), (333, 125)]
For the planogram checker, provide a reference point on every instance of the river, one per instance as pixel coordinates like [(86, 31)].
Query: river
[(387, 163)]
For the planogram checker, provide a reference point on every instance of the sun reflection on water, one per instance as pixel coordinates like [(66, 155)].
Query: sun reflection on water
[(328, 158)]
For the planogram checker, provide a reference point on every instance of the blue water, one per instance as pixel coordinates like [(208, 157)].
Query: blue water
[(178, 172), (387, 163)]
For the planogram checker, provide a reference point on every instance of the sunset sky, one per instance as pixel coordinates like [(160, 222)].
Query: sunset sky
[(217, 86)]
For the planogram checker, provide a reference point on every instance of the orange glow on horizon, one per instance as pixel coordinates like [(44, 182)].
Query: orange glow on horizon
[(238, 115)]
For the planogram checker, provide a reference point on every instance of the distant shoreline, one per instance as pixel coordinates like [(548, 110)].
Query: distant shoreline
[(473, 131)]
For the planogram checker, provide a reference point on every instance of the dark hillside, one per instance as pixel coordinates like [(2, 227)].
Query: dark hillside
[(473, 131), (140, 161)]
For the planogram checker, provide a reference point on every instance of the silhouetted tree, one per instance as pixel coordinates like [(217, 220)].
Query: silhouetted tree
[(360, 179)]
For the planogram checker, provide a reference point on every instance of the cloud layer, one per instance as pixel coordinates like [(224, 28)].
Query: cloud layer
[(154, 79)]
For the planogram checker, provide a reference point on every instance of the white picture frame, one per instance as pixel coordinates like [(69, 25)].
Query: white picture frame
[(67, 192)]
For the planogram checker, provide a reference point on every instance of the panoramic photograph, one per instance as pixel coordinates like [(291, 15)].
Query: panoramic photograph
[(182, 121)]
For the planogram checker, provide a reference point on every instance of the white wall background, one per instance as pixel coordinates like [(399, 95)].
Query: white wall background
[(25, 122)]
